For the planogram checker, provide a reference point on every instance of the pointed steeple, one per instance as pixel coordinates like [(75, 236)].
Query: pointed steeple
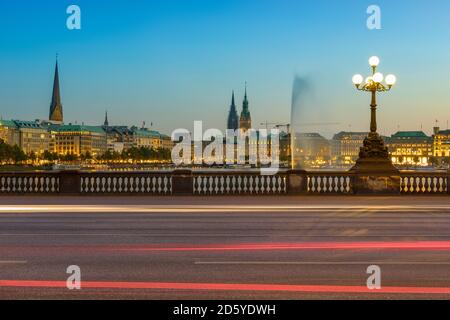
[(233, 120), (245, 121), (56, 109), (106, 123), (245, 95)]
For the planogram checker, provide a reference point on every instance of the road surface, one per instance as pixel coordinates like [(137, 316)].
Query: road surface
[(225, 247)]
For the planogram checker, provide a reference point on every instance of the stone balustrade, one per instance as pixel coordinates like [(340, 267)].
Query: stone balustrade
[(220, 182)]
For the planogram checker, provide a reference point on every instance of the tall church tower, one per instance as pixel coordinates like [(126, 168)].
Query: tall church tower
[(56, 108), (106, 123), (245, 123), (233, 119)]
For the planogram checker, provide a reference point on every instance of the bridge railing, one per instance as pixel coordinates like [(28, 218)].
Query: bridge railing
[(424, 182), (209, 183), (125, 183), (29, 182), (330, 182), (232, 182)]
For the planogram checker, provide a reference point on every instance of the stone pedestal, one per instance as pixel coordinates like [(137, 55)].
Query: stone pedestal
[(182, 182), (69, 182), (297, 182), (374, 171), (376, 184)]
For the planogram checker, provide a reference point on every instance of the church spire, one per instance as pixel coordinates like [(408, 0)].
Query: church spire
[(56, 110), (233, 120), (245, 121), (106, 123)]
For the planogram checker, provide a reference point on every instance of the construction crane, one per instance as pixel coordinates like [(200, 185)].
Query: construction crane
[(276, 125), (311, 124)]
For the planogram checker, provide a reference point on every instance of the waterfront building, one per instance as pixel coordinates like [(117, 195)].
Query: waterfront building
[(441, 143), (80, 140), (345, 147), (30, 136), (166, 142), (145, 138), (118, 138), (410, 148), (311, 150), (33, 137), (9, 132)]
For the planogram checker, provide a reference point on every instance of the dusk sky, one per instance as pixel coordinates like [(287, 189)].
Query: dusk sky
[(173, 62)]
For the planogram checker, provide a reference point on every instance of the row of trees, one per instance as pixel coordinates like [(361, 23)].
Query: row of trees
[(133, 154), (11, 154), (14, 154), (137, 154)]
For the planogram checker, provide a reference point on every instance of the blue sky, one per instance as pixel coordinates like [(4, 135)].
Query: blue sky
[(171, 62)]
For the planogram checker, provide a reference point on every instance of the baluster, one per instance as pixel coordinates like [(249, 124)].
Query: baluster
[(321, 184), (309, 183), (233, 184), (441, 183), (166, 187), (433, 184), (251, 184), (280, 186), (159, 183), (222, 185), (418, 181)]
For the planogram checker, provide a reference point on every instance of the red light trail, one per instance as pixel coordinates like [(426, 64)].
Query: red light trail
[(225, 287), (414, 245)]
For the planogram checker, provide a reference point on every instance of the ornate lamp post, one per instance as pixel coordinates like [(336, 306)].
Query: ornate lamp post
[(374, 155)]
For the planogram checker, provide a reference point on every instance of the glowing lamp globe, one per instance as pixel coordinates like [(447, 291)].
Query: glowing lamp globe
[(378, 77), (374, 61), (369, 80), (357, 79), (391, 80)]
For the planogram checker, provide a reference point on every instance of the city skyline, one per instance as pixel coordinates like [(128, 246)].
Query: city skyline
[(223, 157), (243, 119), (144, 70)]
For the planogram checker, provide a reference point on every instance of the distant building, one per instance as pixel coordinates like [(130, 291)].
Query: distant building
[(166, 142), (56, 108), (144, 138), (118, 138), (410, 148), (122, 138), (285, 146), (345, 147), (80, 139), (311, 150), (106, 123), (9, 132), (441, 143), (245, 122), (33, 137), (30, 136), (233, 119)]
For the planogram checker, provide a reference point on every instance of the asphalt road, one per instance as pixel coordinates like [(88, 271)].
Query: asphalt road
[(225, 247)]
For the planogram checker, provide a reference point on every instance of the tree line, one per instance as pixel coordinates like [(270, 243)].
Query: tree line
[(11, 154), (14, 154), (138, 154)]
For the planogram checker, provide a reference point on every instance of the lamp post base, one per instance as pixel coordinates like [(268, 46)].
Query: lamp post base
[(374, 157), (374, 165), (374, 171)]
